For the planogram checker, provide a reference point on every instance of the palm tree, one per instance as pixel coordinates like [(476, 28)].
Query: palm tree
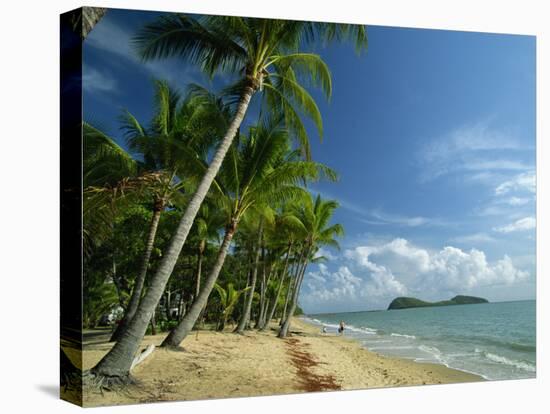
[(285, 229), (105, 166), (257, 171), (111, 173), (266, 55), (315, 216), (228, 299), (161, 189), (207, 224), (259, 252), (180, 133)]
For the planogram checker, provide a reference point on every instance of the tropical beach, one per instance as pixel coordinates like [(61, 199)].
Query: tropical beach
[(267, 208), (259, 364)]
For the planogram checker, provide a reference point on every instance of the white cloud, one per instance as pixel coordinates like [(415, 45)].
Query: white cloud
[(522, 182), (473, 238), (516, 201), (470, 150), (379, 217), (95, 81), (327, 287), (326, 253), (113, 38), (526, 223), (385, 218), (503, 164), (375, 274)]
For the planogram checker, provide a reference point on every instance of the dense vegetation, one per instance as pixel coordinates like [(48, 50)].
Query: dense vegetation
[(206, 220), (405, 302)]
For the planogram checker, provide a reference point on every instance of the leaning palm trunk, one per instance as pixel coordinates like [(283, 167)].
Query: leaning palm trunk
[(140, 280), (286, 324), (243, 322), (178, 334), (200, 255), (118, 361), (271, 311)]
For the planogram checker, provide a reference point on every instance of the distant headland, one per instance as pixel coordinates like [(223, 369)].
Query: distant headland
[(404, 302)]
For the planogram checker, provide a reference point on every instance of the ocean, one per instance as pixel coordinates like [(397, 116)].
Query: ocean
[(494, 340)]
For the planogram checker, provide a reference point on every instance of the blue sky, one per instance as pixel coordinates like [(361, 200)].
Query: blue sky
[(433, 135)]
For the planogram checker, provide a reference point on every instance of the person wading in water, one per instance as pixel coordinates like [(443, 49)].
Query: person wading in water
[(341, 328)]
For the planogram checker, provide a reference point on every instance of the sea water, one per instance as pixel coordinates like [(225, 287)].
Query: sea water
[(494, 340)]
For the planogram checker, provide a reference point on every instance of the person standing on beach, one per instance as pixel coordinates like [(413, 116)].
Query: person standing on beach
[(341, 328)]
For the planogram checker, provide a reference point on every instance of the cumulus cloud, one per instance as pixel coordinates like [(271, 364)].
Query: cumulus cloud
[(523, 224), (375, 274)]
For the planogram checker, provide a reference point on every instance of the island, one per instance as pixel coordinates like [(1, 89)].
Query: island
[(405, 302)]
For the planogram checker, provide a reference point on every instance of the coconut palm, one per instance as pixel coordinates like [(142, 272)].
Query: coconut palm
[(175, 145), (206, 227), (259, 169), (267, 57), (286, 225), (258, 248), (228, 299), (105, 165), (315, 216)]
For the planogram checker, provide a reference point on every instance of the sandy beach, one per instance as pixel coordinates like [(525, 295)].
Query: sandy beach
[(218, 365)]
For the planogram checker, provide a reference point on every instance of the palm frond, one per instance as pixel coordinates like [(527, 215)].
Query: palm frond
[(186, 37)]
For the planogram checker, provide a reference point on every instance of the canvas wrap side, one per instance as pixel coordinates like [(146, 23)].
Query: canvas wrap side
[(71, 205)]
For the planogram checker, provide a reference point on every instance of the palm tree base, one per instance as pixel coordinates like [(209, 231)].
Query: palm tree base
[(174, 348), (96, 380)]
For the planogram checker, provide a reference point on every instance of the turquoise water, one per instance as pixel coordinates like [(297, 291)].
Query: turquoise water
[(494, 340)]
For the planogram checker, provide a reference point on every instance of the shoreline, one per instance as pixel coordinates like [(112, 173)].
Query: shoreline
[(228, 365), (315, 325)]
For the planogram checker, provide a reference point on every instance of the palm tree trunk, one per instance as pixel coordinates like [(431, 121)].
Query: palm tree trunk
[(168, 306), (153, 324), (178, 334), (117, 362), (286, 324), (117, 282), (271, 312), (262, 293), (243, 322), (200, 255), (140, 279), (248, 279), (287, 298), (265, 305), (181, 303), (291, 286)]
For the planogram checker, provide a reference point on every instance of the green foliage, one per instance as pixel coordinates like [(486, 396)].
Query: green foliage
[(406, 302), (298, 311), (266, 51), (263, 178)]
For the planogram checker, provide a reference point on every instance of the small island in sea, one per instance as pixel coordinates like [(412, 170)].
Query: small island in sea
[(405, 302)]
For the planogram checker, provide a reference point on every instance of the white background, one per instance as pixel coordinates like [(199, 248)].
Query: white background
[(29, 207)]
